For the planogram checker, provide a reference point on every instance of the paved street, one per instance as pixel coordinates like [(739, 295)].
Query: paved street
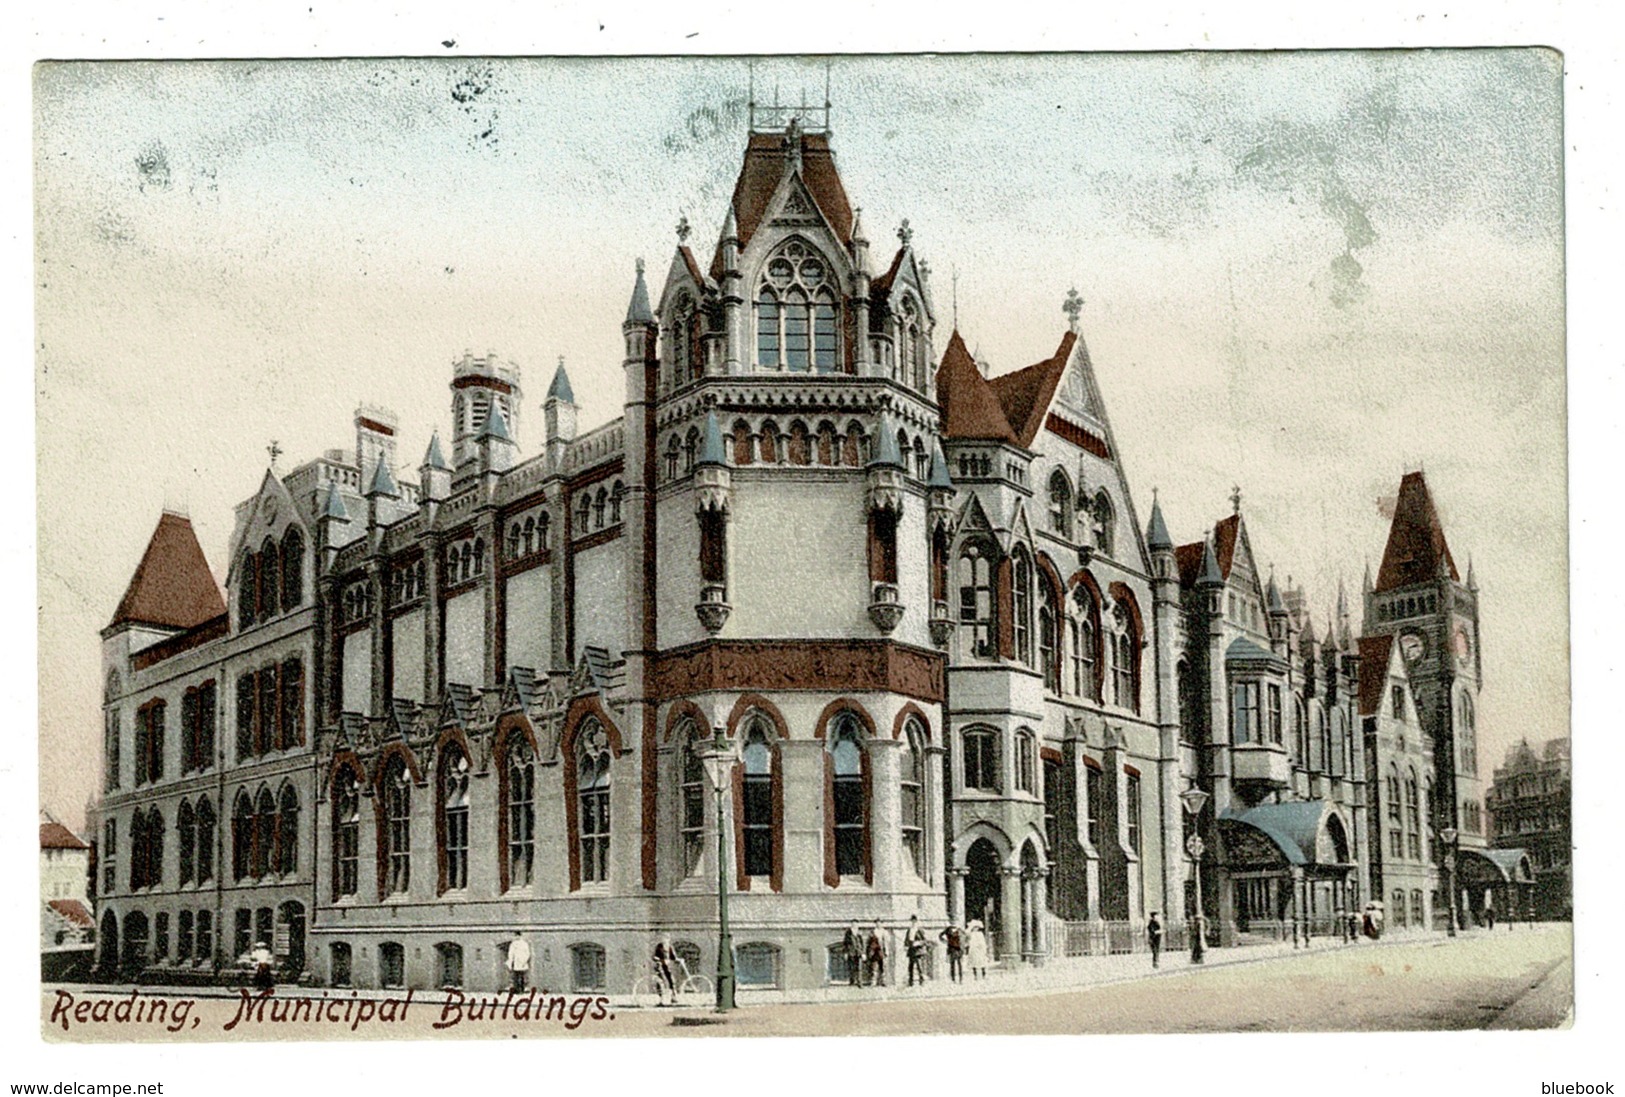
[(1507, 979), (1517, 979)]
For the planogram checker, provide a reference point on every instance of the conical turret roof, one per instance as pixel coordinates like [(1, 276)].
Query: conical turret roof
[(1156, 530), (433, 458), (638, 311), (711, 449)]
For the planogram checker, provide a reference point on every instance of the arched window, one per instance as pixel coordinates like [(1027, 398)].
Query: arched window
[(976, 602), (453, 821), (598, 503), (1413, 816), (293, 569), (264, 854), (797, 318), (397, 833), (587, 967), (1049, 614), (265, 725), (247, 589), (1467, 735), (1394, 808), (291, 726), (204, 858), (346, 833), (155, 847), (912, 786), (1300, 732), (799, 449), (981, 759), (1060, 504), (911, 349), (1026, 762), (185, 840), (673, 447), (741, 438), (691, 449), (757, 795), (1021, 605), (270, 578), (1125, 692), (520, 792), (683, 342), (1189, 725), (1105, 524), (693, 798), (592, 801), (584, 506), (242, 836), (449, 959), (848, 771), (391, 965), (287, 838)]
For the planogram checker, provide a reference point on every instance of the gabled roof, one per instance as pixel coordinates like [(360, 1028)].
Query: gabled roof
[(1375, 652), (1025, 395), (969, 407), (1225, 536), (1416, 543), (759, 178), (172, 586), (883, 284), (53, 835), (693, 267)]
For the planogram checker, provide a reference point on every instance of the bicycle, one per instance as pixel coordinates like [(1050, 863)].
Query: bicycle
[(692, 988)]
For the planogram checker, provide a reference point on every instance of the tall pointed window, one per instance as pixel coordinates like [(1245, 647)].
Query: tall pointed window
[(797, 317), (1026, 761), (287, 836), (346, 833), (264, 858), (1086, 654), (291, 721), (1021, 585), (850, 818), (1060, 505), (454, 818), (1049, 612), (397, 795), (912, 787), (981, 759), (758, 801), (293, 569), (206, 829), (693, 792), (242, 836), (976, 602), (1105, 524), (185, 840), (521, 813), (592, 799)]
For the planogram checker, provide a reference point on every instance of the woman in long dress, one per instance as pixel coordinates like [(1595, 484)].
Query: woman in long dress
[(976, 949)]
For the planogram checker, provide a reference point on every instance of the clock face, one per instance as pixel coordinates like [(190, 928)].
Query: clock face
[(1412, 645), (1464, 645)]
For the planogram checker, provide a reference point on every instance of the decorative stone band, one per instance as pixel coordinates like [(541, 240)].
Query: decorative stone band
[(846, 666)]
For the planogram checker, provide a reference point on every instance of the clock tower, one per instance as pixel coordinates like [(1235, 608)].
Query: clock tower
[(1420, 600)]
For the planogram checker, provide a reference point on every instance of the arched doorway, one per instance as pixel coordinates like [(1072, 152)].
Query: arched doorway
[(109, 957), (1032, 902), (290, 937), (134, 955), (982, 888)]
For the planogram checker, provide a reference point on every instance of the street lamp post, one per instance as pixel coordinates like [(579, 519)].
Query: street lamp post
[(1195, 800), (719, 761), (1448, 837)]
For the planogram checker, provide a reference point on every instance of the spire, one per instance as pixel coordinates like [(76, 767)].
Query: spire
[(1308, 630), (1416, 551), (383, 482), (1272, 595), (560, 388), (1342, 599), (1210, 575), (1366, 583), (939, 468), (1156, 530), (730, 225), (334, 506), (711, 452), (886, 447), (1472, 580), (433, 458), (639, 312), (1331, 635), (496, 425), (857, 225)]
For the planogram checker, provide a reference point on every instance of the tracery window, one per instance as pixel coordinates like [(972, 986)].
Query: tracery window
[(912, 783), (264, 854), (592, 799), (976, 602), (520, 791), (796, 312), (1021, 605), (758, 801), (850, 820), (693, 793), (454, 818), (1104, 521), (1060, 504), (981, 759), (397, 794), (346, 833), (1086, 653)]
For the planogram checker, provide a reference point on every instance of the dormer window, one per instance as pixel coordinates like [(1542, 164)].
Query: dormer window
[(796, 313), (683, 350), (911, 351)]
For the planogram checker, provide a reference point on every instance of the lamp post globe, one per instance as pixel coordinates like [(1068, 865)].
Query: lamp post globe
[(1195, 800)]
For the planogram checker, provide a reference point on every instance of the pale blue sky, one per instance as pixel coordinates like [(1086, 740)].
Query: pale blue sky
[(1305, 273)]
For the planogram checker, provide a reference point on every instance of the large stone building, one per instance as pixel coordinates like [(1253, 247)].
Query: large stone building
[(963, 679), (1529, 808)]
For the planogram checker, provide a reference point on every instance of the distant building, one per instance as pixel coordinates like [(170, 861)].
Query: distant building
[(67, 928), (1529, 810)]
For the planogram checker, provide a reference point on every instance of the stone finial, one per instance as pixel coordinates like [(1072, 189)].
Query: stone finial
[(905, 233), (1235, 499), (683, 229), (1073, 307)]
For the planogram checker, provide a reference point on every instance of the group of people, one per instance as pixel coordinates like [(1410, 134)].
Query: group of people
[(866, 952)]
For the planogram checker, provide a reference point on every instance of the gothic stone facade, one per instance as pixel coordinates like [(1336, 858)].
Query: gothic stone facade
[(963, 679)]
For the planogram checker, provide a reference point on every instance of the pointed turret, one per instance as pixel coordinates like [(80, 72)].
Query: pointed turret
[(333, 507), (886, 452), (1156, 530), (432, 457), (172, 587), (559, 409), (1272, 595), (434, 476), (940, 479), (496, 427), (1416, 551), (1472, 579), (560, 387), (383, 483), (638, 310), (1276, 614), (1210, 574), (496, 444), (711, 448)]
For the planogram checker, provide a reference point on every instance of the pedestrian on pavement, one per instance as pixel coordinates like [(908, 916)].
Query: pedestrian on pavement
[(665, 982), (915, 944), (954, 938), (1489, 917), (976, 950), (877, 956), (262, 961), (518, 962), (1153, 936), (852, 948)]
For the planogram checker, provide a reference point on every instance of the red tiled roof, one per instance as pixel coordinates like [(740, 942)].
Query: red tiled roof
[(969, 407), (884, 282), (1416, 541), (54, 835), (693, 267), (1225, 536), (1373, 672), (1188, 558), (759, 178), (74, 911), (172, 586), (1025, 395)]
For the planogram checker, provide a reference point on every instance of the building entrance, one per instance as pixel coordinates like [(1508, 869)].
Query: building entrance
[(982, 888)]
